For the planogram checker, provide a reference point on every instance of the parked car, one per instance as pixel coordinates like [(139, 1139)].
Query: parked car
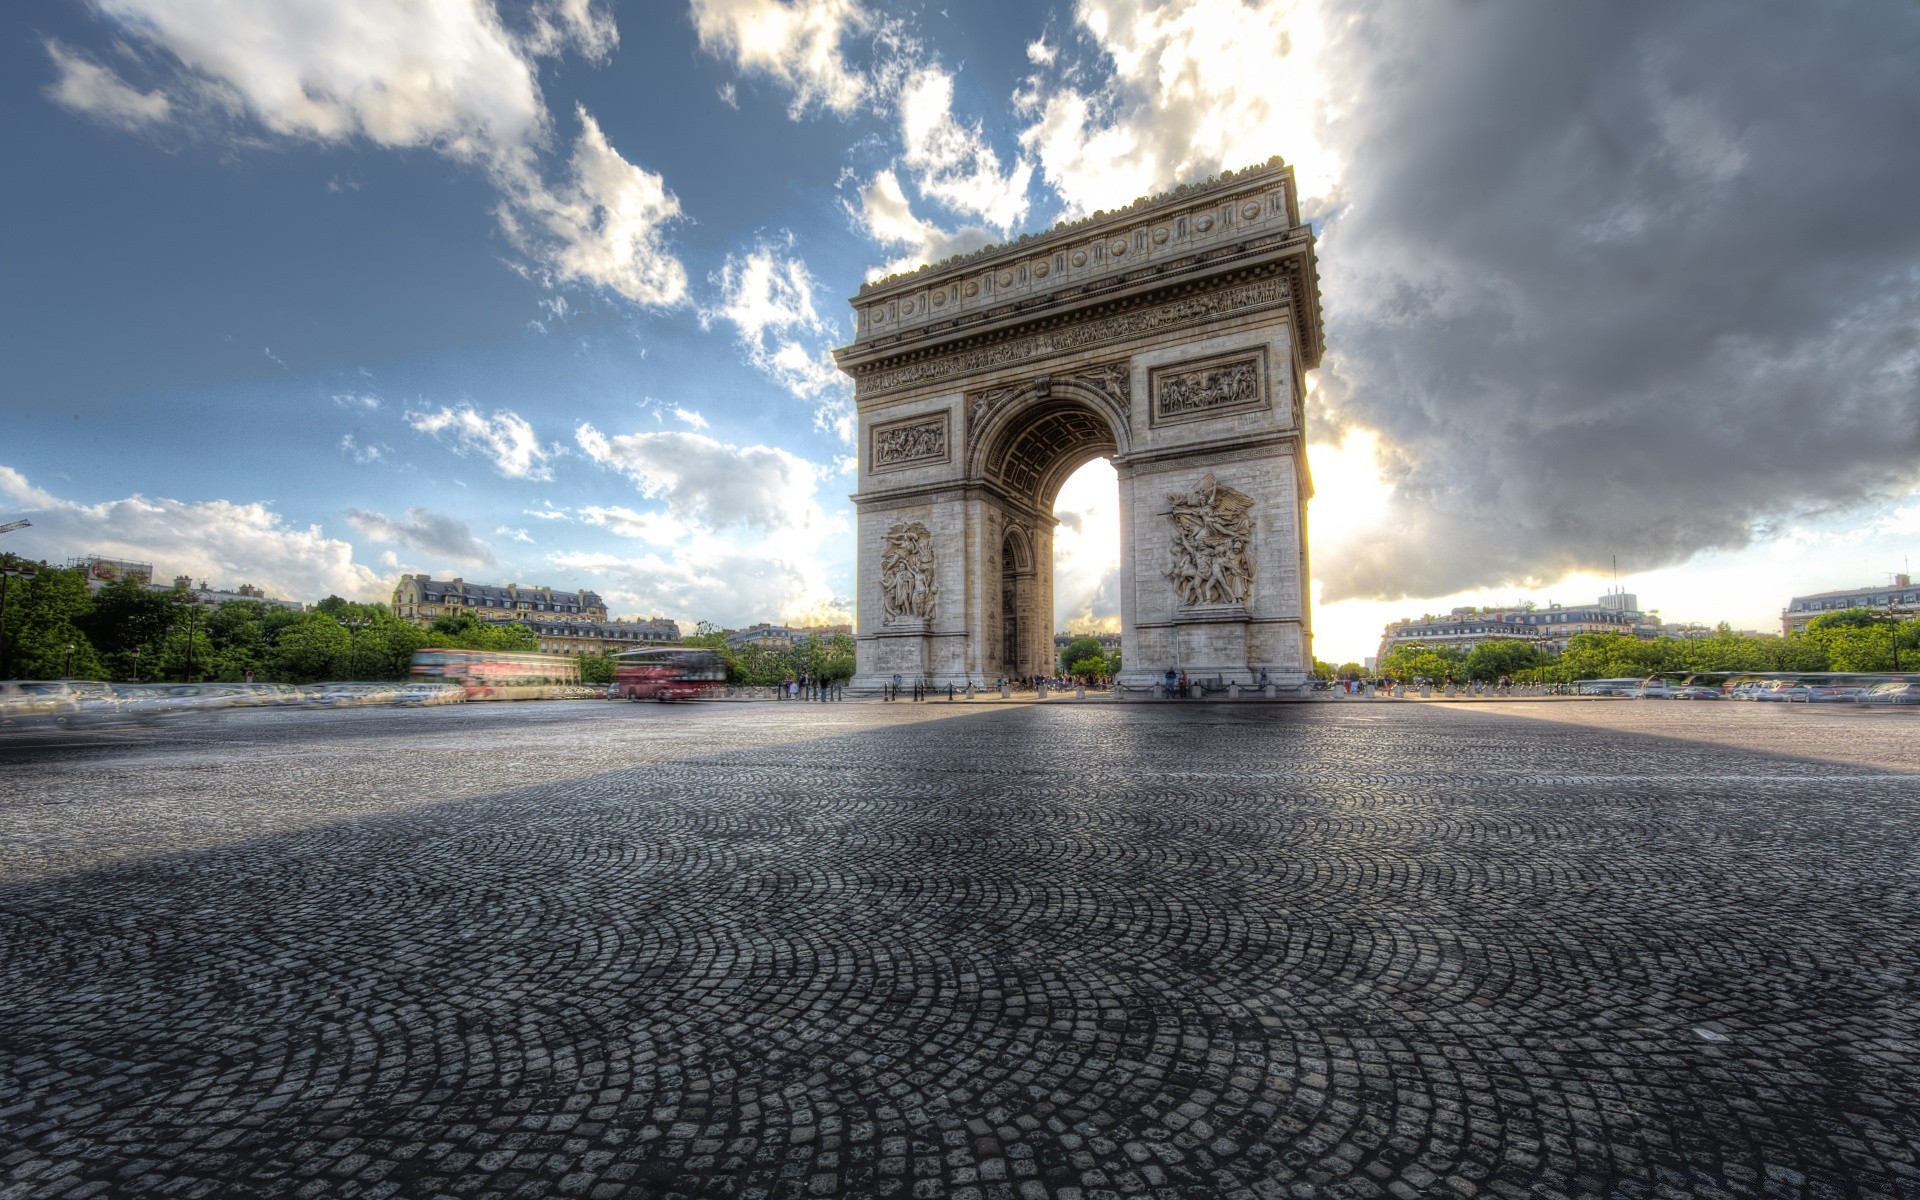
[(1892, 692), (1694, 691)]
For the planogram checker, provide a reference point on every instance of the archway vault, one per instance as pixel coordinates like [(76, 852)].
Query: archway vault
[(1172, 338)]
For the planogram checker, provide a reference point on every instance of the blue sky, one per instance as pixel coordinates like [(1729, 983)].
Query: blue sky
[(310, 293)]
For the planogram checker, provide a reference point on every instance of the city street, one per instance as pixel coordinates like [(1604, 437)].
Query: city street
[(965, 951)]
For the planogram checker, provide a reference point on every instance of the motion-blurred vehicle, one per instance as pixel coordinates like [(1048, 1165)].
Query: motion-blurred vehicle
[(1894, 691), (28, 704), (1694, 691), (419, 694), (1605, 687), (1652, 688), (668, 673), (1824, 693), (499, 675), (354, 695)]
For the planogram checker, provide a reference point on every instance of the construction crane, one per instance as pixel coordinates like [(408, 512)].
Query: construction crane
[(10, 526)]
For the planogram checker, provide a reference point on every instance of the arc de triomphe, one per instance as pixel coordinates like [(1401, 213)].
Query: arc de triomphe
[(1171, 337)]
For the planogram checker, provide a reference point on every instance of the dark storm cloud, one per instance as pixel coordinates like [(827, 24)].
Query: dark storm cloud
[(1620, 279), (424, 531)]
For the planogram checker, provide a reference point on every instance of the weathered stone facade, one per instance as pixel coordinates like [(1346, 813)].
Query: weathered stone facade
[(1171, 337)]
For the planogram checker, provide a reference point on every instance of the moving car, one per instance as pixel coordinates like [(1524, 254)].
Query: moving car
[(1892, 692)]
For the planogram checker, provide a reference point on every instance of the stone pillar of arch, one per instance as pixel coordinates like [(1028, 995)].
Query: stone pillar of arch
[(1171, 337)]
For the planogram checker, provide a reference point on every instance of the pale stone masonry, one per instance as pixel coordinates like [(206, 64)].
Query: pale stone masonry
[(421, 599), (1172, 337)]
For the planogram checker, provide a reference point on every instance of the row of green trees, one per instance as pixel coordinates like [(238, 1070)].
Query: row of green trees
[(828, 659), (1856, 640), (53, 627)]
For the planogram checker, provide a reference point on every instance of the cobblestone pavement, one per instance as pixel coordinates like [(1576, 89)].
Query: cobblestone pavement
[(930, 951)]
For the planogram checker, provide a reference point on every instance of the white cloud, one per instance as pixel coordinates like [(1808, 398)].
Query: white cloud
[(795, 42), (738, 536), (605, 225), (365, 400), (216, 540), (953, 163), (444, 75), (427, 532), (518, 535), (87, 87), (767, 295), (504, 438), (712, 484), (365, 454), (547, 513), (687, 416), (656, 527), (1194, 86), (888, 218), (1086, 550)]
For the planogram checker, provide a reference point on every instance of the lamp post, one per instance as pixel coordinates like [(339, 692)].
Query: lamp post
[(353, 626), (136, 666), (193, 612), (68, 673)]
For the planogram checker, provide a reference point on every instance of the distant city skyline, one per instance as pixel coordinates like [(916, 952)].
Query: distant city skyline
[(312, 295)]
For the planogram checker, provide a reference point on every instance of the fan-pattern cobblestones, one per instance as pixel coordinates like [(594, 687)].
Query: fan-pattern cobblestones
[(1031, 953)]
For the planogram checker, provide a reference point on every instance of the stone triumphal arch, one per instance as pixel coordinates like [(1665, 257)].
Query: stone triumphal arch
[(1171, 337)]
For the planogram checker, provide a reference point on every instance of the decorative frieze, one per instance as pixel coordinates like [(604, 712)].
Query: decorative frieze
[(1081, 335), (1211, 387), (916, 442)]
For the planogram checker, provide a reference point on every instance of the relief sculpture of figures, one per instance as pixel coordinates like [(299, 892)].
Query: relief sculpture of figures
[(906, 574), (1212, 544)]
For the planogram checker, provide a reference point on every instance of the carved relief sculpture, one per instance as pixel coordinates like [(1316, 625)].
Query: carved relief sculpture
[(906, 574), (1212, 546), (1221, 385), (898, 445)]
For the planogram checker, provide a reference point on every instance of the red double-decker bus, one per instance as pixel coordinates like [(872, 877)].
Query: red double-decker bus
[(498, 674), (670, 673)]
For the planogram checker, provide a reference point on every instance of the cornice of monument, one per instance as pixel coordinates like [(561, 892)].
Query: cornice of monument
[(1193, 239), (1212, 188)]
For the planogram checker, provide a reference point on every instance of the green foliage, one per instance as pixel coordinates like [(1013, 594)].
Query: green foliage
[(1078, 649), (1092, 664), (1407, 663), (464, 631), (43, 618), (596, 668), (1488, 661)]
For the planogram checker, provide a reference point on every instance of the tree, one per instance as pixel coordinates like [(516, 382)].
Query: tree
[(1078, 649), (1090, 666), (314, 647), (42, 619), (1407, 662), (1488, 661)]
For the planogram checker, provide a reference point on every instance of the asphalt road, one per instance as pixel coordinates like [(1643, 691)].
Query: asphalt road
[(592, 949)]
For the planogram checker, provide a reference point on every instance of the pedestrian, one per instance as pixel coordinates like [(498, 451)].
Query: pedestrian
[(793, 689)]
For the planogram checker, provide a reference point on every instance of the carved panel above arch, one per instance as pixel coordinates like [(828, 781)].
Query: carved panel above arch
[(914, 442), (1208, 387)]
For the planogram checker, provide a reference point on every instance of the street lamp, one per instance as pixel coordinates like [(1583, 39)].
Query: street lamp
[(68, 674), (136, 666)]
